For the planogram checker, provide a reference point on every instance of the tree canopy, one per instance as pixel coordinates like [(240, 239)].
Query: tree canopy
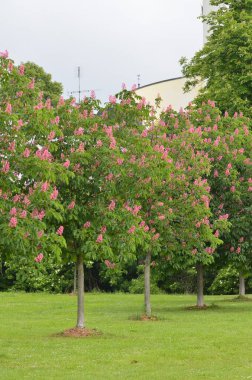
[(223, 65)]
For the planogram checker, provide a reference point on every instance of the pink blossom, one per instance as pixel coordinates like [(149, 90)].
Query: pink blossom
[(44, 154), (194, 251), (92, 94), (227, 172), (156, 236), (232, 249), (216, 174), (99, 143), (16, 198), (109, 177), (12, 146), (54, 194), (224, 217), (19, 94), (39, 106), (48, 105), (131, 229), (45, 186), (146, 228), (51, 136), (31, 84), (161, 217), (23, 214), (6, 166), (13, 222), (112, 99), (103, 229), (60, 230), (4, 54), (99, 238), (13, 211), (112, 205), (144, 133), (109, 264), (40, 215), (217, 233), (66, 164), (232, 189), (40, 234), (136, 209), (112, 144), (21, 70), (26, 201), (87, 224), (61, 102), (39, 258), (71, 205), (238, 250), (142, 224), (26, 153), (120, 161), (8, 108), (209, 250), (79, 131)]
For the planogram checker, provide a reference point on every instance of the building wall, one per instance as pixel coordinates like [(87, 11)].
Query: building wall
[(171, 92)]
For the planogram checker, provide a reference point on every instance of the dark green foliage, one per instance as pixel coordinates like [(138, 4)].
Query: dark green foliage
[(223, 65)]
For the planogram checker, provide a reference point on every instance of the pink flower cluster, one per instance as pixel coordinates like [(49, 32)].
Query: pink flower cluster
[(44, 154), (60, 230), (13, 222), (38, 214), (39, 258), (223, 217), (112, 205), (54, 194), (99, 238), (131, 230), (87, 224), (109, 264)]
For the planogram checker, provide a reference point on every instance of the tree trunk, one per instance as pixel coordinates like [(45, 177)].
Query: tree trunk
[(241, 285), (75, 279), (80, 313), (147, 285), (200, 285)]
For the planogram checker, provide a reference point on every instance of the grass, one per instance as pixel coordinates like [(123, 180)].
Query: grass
[(182, 344)]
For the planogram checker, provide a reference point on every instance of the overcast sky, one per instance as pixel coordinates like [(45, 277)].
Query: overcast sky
[(111, 40)]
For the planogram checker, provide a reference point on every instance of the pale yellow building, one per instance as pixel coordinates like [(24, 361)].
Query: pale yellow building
[(171, 90)]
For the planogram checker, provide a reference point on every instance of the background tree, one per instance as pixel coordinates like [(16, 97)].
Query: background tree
[(226, 141), (223, 65), (27, 170)]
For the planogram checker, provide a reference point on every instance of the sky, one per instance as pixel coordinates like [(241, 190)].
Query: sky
[(111, 40)]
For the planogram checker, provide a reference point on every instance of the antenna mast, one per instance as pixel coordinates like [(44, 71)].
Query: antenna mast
[(138, 80), (79, 91)]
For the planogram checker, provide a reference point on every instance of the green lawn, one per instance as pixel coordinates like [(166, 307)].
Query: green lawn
[(183, 344)]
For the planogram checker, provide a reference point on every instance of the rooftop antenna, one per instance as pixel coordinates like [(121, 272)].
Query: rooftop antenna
[(79, 92), (138, 80)]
